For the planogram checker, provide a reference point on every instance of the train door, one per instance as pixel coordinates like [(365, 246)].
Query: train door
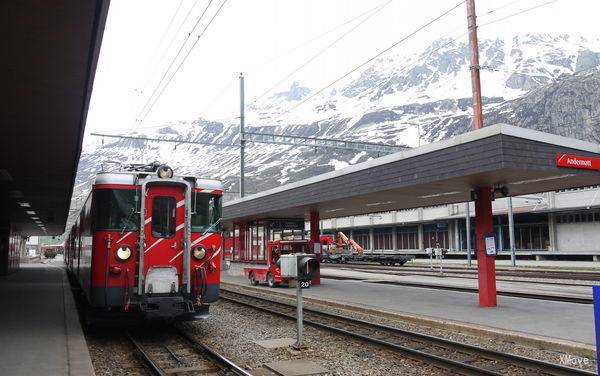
[(164, 228)]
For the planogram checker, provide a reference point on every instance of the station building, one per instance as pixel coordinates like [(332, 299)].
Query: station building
[(558, 224)]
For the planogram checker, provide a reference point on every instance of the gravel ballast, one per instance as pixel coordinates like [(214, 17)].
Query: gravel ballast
[(576, 360), (232, 330)]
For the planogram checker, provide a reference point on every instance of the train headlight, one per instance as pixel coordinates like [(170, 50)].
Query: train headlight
[(199, 252), (123, 253), (165, 172)]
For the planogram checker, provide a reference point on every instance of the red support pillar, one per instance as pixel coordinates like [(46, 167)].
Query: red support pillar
[(486, 265), (315, 241)]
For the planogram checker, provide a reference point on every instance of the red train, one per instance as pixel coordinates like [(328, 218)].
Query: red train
[(147, 242)]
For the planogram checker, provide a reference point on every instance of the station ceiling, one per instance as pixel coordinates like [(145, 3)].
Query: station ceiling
[(50, 50), (522, 160)]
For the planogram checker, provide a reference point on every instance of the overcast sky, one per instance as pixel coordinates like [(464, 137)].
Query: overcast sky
[(248, 33)]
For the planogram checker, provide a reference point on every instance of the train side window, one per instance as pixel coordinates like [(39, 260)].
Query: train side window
[(163, 216)]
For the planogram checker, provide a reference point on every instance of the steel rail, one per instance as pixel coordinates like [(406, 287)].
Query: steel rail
[(577, 276), (489, 355), (473, 290), (154, 368), (200, 348), (451, 269)]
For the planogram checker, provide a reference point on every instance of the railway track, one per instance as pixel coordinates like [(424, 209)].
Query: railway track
[(473, 290), (449, 355), (174, 352), (524, 273)]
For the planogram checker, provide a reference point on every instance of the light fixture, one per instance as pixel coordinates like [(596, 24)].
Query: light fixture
[(380, 203), (530, 181), (440, 194), (35, 218), (164, 172), (123, 252), (24, 204), (199, 252), (30, 212)]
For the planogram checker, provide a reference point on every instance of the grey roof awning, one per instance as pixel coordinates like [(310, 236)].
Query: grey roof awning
[(50, 50), (443, 172)]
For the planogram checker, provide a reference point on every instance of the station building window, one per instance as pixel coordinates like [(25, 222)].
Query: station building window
[(383, 238), (434, 234), (407, 237), (362, 238), (578, 217)]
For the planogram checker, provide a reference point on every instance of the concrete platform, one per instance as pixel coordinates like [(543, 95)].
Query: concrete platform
[(550, 290), (40, 331), (540, 321), (521, 264)]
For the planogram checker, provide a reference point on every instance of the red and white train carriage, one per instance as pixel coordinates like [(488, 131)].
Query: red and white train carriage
[(148, 242)]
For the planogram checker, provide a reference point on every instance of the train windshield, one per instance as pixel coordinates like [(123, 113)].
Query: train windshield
[(115, 209), (206, 209)]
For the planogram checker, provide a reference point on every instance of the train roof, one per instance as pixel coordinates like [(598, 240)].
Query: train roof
[(137, 178)]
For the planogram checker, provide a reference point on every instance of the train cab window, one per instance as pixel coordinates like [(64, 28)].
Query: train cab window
[(115, 209), (163, 216), (206, 212)]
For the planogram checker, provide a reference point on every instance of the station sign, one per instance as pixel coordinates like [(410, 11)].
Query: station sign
[(575, 161), (490, 244)]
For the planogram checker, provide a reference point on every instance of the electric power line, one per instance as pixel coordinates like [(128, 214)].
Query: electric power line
[(184, 59), (327, 32), (218, 96), (173, 60), (518, 13), (395, 44), (323, 50), (187, 15), (162, 37)]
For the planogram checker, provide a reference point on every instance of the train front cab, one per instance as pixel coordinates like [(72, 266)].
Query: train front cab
[(178, 254)]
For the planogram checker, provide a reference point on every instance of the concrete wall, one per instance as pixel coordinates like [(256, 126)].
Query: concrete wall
[(578, 237)]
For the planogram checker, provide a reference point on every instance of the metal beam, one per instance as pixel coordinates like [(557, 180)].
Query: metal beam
[(163, 140), (269, 138)]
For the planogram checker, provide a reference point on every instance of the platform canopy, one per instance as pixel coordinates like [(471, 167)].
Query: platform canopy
[(49, 55), (523, 161)]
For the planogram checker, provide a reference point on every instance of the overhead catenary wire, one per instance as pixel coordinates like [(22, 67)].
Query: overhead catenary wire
[(322, 50), (221, 92), (410, 35), (169, 45), (518, 13), (395, 44), (184, 59), (327, 32), (162, 38), (173, 60), (315, 38), (271, 59)]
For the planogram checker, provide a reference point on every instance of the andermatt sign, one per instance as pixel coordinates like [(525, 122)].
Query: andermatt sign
[(575, 161)]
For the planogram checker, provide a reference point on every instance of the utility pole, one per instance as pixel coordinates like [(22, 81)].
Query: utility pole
[(242, 136), (475, 81), (468, 230), (511, 232)]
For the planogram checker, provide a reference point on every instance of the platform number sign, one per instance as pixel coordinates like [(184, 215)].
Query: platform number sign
[(490, 245), (304, 284)]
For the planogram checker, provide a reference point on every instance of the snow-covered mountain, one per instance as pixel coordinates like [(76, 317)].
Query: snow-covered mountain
[(542, 81)]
